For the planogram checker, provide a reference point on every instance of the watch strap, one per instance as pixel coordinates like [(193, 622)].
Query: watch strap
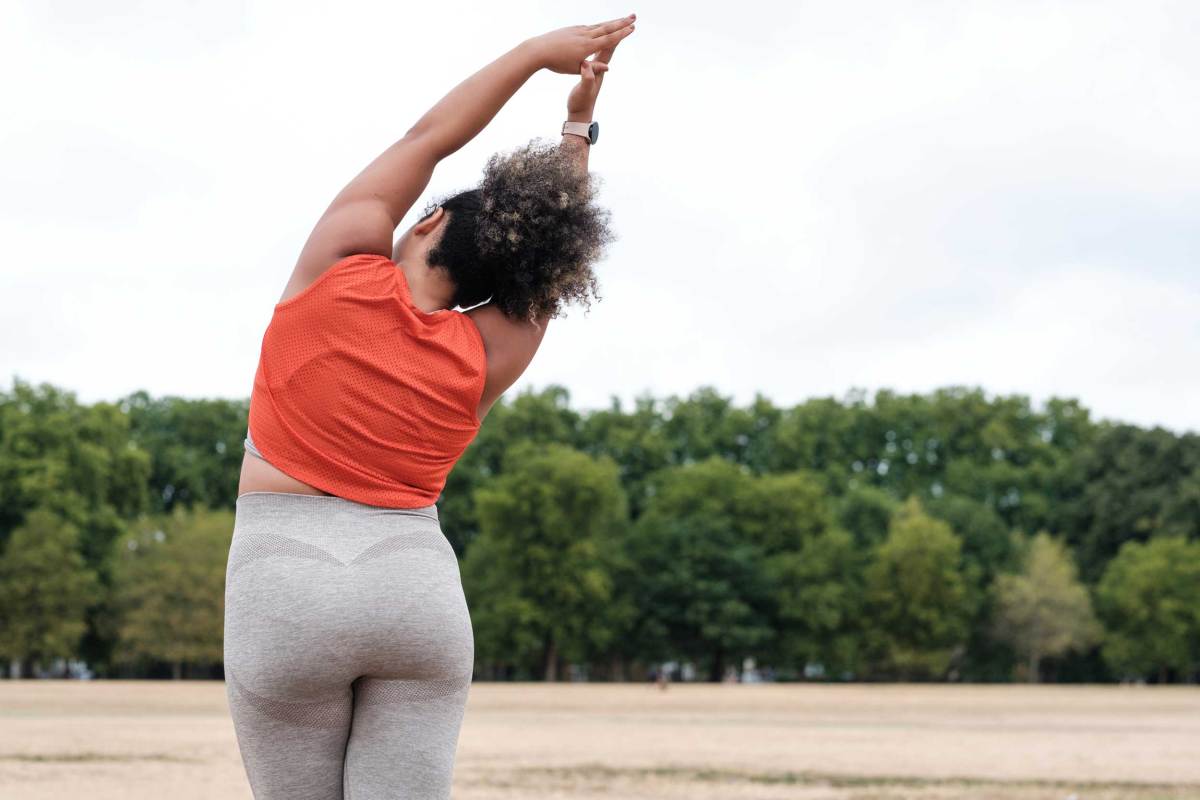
[(579, 129)]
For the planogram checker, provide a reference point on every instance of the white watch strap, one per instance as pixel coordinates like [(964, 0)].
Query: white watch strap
[(578, 128)]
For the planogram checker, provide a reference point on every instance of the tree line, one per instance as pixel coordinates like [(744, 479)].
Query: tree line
[(950, 535)]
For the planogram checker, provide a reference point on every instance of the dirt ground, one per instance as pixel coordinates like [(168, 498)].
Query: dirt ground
[(123, 740)]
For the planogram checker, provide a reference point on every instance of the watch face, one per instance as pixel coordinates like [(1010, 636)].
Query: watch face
[(594, 132)]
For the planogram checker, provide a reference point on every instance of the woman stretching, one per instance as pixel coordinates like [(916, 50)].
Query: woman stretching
[(348, 645)]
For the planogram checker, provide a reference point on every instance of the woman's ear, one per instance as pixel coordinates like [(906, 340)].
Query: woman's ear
[(430, 223)]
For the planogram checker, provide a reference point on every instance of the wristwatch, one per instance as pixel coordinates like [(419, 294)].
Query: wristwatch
[(588, 130)]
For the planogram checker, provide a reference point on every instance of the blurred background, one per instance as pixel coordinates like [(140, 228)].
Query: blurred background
[(892, 383)]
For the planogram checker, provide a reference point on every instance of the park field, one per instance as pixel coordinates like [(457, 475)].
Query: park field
[(127, 740)]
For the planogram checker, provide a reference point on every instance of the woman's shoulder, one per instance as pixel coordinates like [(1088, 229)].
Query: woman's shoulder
[(347, 269)]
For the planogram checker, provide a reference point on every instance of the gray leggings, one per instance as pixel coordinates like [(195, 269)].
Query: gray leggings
[(348, 648)]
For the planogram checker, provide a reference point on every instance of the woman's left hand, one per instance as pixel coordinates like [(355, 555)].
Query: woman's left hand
[(562, 50)]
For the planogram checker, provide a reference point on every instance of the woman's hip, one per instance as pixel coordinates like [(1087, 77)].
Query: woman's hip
[(359, 589)]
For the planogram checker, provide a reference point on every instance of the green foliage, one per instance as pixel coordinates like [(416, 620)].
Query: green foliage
[(1044, 610), (74, 460), (707, 424), (701, 593), (866, 511), (987, 545), (539, 571), (196, 448), (818, 591), (45, 588), (169, 592), (635, 440), (779, 512), (917, 598), (1149, 599), (822, 435), (678, 528), (696, 579), (987, 550), (1130, 484)]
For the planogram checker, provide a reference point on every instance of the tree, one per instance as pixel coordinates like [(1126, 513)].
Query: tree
[(696, 578), (702, 592), (169, 578), (818, 591), (703, 425), (779, 512), (73, 460), (866, 511), (917, 599), (987, 545), (1044, 611), (1149, 600), (821, 435), (538, 574), (987, 549), (813, 570), (748, 531), (1129, 484), (196, 446), (45, 589)]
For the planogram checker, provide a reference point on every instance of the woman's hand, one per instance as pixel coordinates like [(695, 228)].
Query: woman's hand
[(582, 100), (563, 50)]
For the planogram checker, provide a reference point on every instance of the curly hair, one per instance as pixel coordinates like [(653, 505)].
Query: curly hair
[(527, 236)]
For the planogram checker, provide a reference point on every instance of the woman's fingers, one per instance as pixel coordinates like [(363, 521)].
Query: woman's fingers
[(590, 69), (606, 54), (611, 25), (611, 39), (604, 28)]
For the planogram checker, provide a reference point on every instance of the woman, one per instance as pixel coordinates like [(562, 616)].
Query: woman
[(348, 645)]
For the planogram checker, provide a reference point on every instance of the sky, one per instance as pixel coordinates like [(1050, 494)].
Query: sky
[(809, 198)]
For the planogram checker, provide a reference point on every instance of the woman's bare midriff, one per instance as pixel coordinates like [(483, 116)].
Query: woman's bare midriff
[(260, 476)]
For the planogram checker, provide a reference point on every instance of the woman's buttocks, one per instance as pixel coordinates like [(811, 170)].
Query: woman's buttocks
[(365, 590)]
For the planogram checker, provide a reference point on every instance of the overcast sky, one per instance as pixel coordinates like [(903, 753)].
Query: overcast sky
[(810, 197)]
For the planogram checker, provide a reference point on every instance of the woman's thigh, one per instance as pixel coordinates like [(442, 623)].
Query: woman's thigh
[(403, 739)]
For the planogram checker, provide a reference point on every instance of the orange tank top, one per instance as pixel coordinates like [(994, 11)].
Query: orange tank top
[(362, 394)]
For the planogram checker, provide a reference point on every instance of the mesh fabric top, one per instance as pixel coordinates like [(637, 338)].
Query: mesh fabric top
[(363, 395)]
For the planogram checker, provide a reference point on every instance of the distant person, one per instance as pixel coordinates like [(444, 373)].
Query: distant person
[(348, 644)]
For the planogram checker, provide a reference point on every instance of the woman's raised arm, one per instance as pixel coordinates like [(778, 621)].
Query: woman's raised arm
[(364, 215)]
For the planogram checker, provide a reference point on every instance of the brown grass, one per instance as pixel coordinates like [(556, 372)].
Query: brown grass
[(132, 740)]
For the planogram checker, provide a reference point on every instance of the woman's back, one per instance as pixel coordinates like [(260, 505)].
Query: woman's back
[(361, 394)]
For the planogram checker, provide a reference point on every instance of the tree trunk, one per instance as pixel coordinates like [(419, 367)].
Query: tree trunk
[(15, 668), (551, 673), (1035, 659), (717, 672), (176, 670)]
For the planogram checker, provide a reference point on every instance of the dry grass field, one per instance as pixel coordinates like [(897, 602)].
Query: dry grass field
[(135, 740)]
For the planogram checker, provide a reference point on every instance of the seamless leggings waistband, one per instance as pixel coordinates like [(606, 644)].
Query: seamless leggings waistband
[(250, 448)]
